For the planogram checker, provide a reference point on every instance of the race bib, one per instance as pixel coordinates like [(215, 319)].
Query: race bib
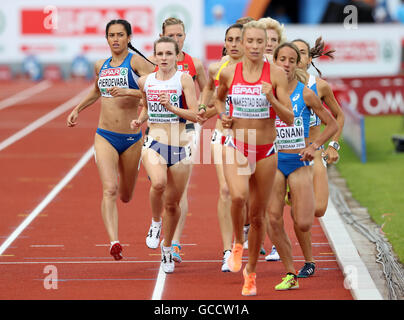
[(290, 137)]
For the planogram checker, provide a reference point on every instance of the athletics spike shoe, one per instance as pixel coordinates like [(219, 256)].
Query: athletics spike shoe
[(167, 261), (176, 252), (249, 287), (225, 266), (153, 236), (234, 261), (116, 251), (307, 270), (273, 256), (289, 282)]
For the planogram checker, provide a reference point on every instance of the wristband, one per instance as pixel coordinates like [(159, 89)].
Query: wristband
[(221, 114), (334, 145)]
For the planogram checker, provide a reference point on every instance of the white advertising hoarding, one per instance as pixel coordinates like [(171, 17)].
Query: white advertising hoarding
[(59, 30), (365, 51)]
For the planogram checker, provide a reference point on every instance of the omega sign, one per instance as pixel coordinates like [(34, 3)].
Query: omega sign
[(376, 96)]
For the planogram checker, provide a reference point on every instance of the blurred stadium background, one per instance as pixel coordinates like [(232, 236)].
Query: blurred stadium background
[(61, 39)]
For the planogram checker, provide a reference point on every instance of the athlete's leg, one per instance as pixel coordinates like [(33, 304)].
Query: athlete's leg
[(157, 171), (177, 178), (107, 163), (277, 231), (261, 184), (237, 177), (320, 184), (129, 163)]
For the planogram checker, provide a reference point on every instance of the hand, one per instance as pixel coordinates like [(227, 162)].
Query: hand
[(331, 155), (165, 100), (117, 92), (135, 124), (227, 121), (307, 154), (267, 89), (200, 117), (72, 118)]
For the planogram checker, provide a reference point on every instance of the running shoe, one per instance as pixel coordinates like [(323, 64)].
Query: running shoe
[(262, 251), (116, 251), (176, 252), (225, 266), (289, 282), (249, 287), (307, 270), (273, 256), (167, 261), (234, 261), (153, 236)]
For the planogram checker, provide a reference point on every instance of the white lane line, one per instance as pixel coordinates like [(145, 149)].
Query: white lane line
[(159, 287), (44, 119), (23, 95), (47, 245), (50, 261), (70, 175)]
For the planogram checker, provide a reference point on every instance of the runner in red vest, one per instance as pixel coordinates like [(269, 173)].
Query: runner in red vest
[(257, 93)]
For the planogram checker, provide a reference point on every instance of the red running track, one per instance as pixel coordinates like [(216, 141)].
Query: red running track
[(68, 235)]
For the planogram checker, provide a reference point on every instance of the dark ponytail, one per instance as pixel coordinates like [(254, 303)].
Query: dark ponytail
[(317, 51), (128, 29)]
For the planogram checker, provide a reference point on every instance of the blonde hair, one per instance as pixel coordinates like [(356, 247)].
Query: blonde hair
[(172, 21), (244, 20), (275, 25), (254, 25)]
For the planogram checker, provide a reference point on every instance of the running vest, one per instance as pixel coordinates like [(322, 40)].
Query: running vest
[(122, 76), (292, 137), (312, 84), (153, 87), (186, 65), (246, 99)]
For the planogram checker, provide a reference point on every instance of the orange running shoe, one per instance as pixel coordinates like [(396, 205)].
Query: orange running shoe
[(234, 261), (249, 287)]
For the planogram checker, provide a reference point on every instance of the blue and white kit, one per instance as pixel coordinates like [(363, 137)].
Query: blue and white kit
[(293, 137)]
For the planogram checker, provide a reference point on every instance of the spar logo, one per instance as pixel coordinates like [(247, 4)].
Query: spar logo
[(84, 21), (113, 72), (247, 90)]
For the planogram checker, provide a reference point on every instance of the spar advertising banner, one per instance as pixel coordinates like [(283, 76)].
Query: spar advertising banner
[(369, 50), (60, 30), (375, 95)]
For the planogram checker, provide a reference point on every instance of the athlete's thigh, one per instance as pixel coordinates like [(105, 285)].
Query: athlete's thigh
[(237, 175), (301, 188), (177, 179), (107, 159), (155, 167), (263, 179), (129, 164), (277, 196)]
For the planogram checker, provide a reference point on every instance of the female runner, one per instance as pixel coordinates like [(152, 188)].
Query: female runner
[(174, 28), (234, 50), (117, 148), (330, 155), (171, 100), (294, 156), (249, 153)]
